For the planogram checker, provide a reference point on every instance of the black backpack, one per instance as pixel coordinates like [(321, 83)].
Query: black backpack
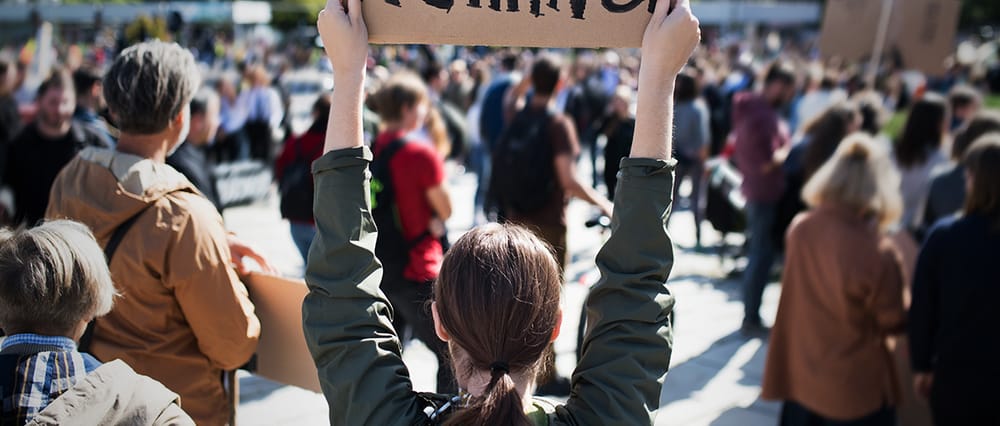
[(524, 176), (296, 187), (391, 247)]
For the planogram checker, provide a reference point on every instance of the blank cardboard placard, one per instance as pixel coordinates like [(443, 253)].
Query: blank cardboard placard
[(920, 32), (282, 354), (527, 23), (926, 33), (849, 29)]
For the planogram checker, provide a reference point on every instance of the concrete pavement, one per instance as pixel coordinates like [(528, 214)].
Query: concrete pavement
[(715, 372)]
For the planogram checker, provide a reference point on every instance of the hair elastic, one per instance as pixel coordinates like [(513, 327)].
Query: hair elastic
[(499, 366)]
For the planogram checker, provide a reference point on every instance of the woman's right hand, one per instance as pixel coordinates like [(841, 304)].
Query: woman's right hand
[(670, 38), (345, 36)]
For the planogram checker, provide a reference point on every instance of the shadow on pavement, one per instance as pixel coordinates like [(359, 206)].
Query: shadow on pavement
[(690, 377)]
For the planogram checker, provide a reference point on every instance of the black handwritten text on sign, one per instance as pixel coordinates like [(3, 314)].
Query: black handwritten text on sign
[(577, 7)]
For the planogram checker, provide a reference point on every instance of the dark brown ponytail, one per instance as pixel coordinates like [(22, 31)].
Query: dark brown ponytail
[(500, 405), (498, 298)]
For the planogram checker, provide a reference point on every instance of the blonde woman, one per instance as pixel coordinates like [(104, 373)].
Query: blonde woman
[(841, 296)]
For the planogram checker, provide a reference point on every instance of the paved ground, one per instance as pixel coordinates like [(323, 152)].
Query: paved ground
[(715, 374)]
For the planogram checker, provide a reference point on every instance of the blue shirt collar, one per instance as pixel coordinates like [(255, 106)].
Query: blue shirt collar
[(61, 342)]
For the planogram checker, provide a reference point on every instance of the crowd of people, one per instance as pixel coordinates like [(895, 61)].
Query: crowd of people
[(884, 241)]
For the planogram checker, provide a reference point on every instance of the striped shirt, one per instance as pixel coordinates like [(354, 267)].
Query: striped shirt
[(34, 371)]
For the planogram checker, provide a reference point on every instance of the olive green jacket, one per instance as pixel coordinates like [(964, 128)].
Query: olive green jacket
[(347, 318)]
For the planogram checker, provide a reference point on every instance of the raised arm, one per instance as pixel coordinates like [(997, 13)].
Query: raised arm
[(346, 318), (666, 46), (626, 353), (345, 39)]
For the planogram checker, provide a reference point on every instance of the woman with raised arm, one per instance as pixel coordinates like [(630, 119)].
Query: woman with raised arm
[(496, 299)]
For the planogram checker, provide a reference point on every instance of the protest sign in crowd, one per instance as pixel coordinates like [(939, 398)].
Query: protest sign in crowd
[(876, 188)]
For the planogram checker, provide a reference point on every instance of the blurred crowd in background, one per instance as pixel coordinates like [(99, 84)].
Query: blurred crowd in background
[(757, 118)]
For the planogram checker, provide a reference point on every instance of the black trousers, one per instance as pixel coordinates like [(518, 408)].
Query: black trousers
[(794, 414), (261, 140), (411, 304), (966, 397), (228, 149)]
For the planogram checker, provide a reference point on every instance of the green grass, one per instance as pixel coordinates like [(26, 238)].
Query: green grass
[(993, 101), (894, 127)]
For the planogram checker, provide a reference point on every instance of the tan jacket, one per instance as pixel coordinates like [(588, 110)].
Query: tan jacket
[(183, 316), (115, 395), (841, 297)]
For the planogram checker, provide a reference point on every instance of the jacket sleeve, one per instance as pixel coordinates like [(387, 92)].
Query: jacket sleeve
[(346, 318), (173, 415), (213, 299), (627, 349), (923, 317)]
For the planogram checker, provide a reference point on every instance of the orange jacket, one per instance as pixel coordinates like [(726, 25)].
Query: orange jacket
[(183, 316)]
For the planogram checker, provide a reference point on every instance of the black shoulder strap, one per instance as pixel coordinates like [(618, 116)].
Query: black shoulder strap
[(109, 252), (390, 151), (382, 164), (119, 234)]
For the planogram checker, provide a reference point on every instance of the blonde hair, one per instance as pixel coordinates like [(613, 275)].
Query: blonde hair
[(52, 277), (438, 131), (859, 176)]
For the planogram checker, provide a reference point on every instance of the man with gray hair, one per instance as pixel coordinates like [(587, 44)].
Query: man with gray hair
[(184, 316)]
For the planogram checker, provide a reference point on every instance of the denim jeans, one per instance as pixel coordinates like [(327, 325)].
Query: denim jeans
[(481, 162), (302, 235), (760, 220), (695, 170)]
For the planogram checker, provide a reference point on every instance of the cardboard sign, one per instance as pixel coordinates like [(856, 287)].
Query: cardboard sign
[(282, 354), (849, 29), (925, 33), (527, 23), (921, 32)]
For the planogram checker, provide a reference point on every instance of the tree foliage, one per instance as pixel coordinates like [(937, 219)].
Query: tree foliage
[(288, 14), (146, 28), (980, 12)]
